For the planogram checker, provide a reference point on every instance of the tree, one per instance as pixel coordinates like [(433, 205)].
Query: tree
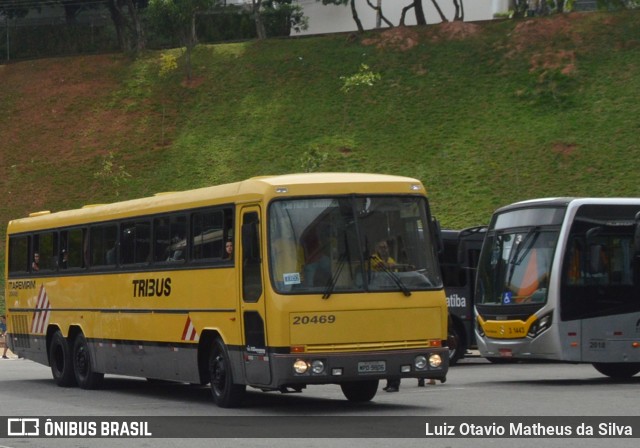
[(261, 31), (178, 18), (127, 22), (282, 16)]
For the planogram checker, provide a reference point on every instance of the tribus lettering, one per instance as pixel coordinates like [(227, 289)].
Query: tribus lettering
[(152, 287)]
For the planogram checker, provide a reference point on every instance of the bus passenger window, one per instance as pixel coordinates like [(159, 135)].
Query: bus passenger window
[(103, 245), (18, 254), (207, 235), (135, 239), (170, 242), (74, 246)]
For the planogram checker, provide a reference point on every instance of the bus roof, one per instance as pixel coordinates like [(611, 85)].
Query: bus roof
[(250, 190), (565, 201)]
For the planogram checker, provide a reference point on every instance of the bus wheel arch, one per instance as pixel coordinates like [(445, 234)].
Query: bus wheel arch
[(618, 370), (225, 392), (205, 343), (60, 358)]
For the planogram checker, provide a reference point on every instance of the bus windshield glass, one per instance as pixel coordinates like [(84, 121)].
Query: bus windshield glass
[(515, 266), (351, 244)]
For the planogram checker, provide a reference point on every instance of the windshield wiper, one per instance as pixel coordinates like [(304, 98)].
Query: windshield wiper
[(331, 285), (393, 276), (516, 257)]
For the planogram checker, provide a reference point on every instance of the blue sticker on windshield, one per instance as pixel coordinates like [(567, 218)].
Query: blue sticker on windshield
[(506, 297)]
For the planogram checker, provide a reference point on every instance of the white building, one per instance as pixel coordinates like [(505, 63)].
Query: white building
[(335, 19)]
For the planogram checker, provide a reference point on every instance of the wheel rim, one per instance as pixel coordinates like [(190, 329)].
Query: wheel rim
[(82, 362), (218, 374)]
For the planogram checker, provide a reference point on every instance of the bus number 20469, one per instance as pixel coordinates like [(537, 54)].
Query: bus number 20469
[(315, 319)]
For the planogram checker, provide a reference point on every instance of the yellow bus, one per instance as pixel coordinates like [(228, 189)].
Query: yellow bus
[(147, 288)]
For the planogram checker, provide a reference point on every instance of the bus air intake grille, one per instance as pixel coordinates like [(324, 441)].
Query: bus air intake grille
[(20, 330), (366, 346)]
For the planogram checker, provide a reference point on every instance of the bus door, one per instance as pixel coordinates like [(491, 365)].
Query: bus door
[(256, 358)]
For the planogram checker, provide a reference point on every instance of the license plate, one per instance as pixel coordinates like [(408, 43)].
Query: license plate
[(372, 367)]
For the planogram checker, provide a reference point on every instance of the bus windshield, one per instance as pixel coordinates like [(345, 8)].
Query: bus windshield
[(351, 244), (515, 266)]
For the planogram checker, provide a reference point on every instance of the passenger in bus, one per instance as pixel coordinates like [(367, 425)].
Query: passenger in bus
[(64, 262), (381, 259), (176, 249), (228, 250), (35, 266)]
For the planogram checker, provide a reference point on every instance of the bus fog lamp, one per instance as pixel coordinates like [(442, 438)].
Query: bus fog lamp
[(317, 367), (336, 372), (405, 369), (420, 362), (435, 360), (300, 366)]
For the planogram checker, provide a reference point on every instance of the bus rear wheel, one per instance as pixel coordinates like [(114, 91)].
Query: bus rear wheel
[(86, 377), (617, 370), (360, 391), (61, 361), (225, 393)]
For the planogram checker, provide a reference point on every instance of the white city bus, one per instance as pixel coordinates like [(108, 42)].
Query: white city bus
[(559, 279)]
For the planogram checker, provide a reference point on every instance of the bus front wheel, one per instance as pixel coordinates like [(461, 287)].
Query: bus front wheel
[(225, 393), (617, 370), (61, 361), (360, 391), (86, 377)]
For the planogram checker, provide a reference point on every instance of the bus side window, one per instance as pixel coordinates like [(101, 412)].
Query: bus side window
[(251, 259), (135, 247), (103, 245), (18, 255), (170, 242), (72, 242)]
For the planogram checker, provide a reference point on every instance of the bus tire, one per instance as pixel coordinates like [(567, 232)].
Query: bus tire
[(360, 391), (86, 377), (225, 393), (617, 370), (61, 361), (457, 345)]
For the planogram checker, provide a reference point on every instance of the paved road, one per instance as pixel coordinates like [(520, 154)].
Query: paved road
[(474, 389)]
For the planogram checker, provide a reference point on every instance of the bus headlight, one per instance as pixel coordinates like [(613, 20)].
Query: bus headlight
[(420, 362), (317, 367), (435, 360), (540, 325), (300, 366)]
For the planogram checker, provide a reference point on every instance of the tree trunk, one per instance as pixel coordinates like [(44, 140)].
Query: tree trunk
[(136, 27), (257, 18), (119, 23), (354, 14), (404, 13), (378, 9), (420, 18), (442, 16)]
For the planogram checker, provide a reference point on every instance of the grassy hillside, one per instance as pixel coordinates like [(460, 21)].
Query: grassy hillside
[(483, 114)]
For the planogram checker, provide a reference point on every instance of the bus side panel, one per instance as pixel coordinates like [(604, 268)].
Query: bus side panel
[(610, 338)]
